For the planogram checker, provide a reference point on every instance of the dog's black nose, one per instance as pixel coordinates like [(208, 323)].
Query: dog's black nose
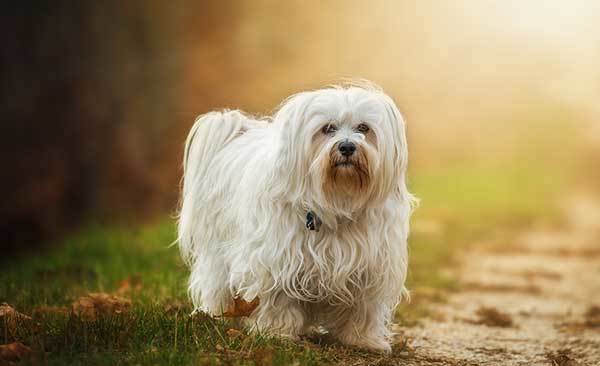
[(347, 148)]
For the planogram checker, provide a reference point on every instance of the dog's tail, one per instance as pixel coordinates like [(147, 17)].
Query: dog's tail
[(210, 133)]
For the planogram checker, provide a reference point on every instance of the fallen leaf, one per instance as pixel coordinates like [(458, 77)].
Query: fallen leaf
[(493, 317), (562, 357), (93, 305), (263, 355), (592, 316), (234, 333), (241, 307), (14, 352), (12, 318), (9, 312)]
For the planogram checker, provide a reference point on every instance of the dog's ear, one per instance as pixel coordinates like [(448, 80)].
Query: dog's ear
[(399, 152), (289, 176), (398, 129)]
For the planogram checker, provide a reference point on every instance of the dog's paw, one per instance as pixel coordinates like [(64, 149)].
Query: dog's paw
[(374, 344)]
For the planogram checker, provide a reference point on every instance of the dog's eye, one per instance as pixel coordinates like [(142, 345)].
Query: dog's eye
[(362, 128), (329, 129)]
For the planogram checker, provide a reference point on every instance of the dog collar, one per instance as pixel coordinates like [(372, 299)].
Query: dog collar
[(313, 222)]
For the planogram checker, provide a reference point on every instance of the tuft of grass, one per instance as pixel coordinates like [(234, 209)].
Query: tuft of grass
[(96, 259), (475, 196), (149, 335)]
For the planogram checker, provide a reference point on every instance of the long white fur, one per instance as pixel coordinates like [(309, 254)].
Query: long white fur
[(247, 187)]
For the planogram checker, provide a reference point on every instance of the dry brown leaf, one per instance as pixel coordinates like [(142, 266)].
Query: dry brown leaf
[(93, 305), (12, 318), (592, 316), (562, 357), (263, 355), (241, 307), (14, 352), (9, 312), (493, 317), (234, 333)]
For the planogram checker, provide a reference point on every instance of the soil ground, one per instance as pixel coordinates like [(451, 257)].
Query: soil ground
[(530, 300)]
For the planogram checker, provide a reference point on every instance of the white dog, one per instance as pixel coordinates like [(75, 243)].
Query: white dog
[(308, 211)]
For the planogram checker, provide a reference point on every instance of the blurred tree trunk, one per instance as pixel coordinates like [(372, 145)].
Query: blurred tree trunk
[(89, 93)]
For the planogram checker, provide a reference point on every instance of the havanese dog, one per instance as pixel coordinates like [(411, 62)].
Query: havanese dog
[(305, 213)]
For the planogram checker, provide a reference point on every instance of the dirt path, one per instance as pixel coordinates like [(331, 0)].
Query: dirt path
[(532, 301)]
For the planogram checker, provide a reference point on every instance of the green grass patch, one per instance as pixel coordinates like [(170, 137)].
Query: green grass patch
[(159, 328), (97, 259)]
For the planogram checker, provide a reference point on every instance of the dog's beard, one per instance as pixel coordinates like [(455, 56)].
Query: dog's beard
[(346, 181)]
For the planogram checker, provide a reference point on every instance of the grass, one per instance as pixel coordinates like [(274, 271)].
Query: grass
[(459, 205)]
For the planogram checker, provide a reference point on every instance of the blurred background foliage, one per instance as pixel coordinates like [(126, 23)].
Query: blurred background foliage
[(97, 98)]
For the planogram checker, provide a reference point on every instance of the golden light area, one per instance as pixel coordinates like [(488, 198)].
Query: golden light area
[(552, 21), (479, 71)]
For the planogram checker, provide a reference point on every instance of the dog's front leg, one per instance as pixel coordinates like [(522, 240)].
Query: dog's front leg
[(363, 326), (278, 314)]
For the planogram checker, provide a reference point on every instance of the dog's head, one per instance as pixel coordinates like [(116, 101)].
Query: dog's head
[(342, 148)]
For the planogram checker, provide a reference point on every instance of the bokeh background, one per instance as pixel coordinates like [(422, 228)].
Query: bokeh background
[(502, 102), (96, 98)]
